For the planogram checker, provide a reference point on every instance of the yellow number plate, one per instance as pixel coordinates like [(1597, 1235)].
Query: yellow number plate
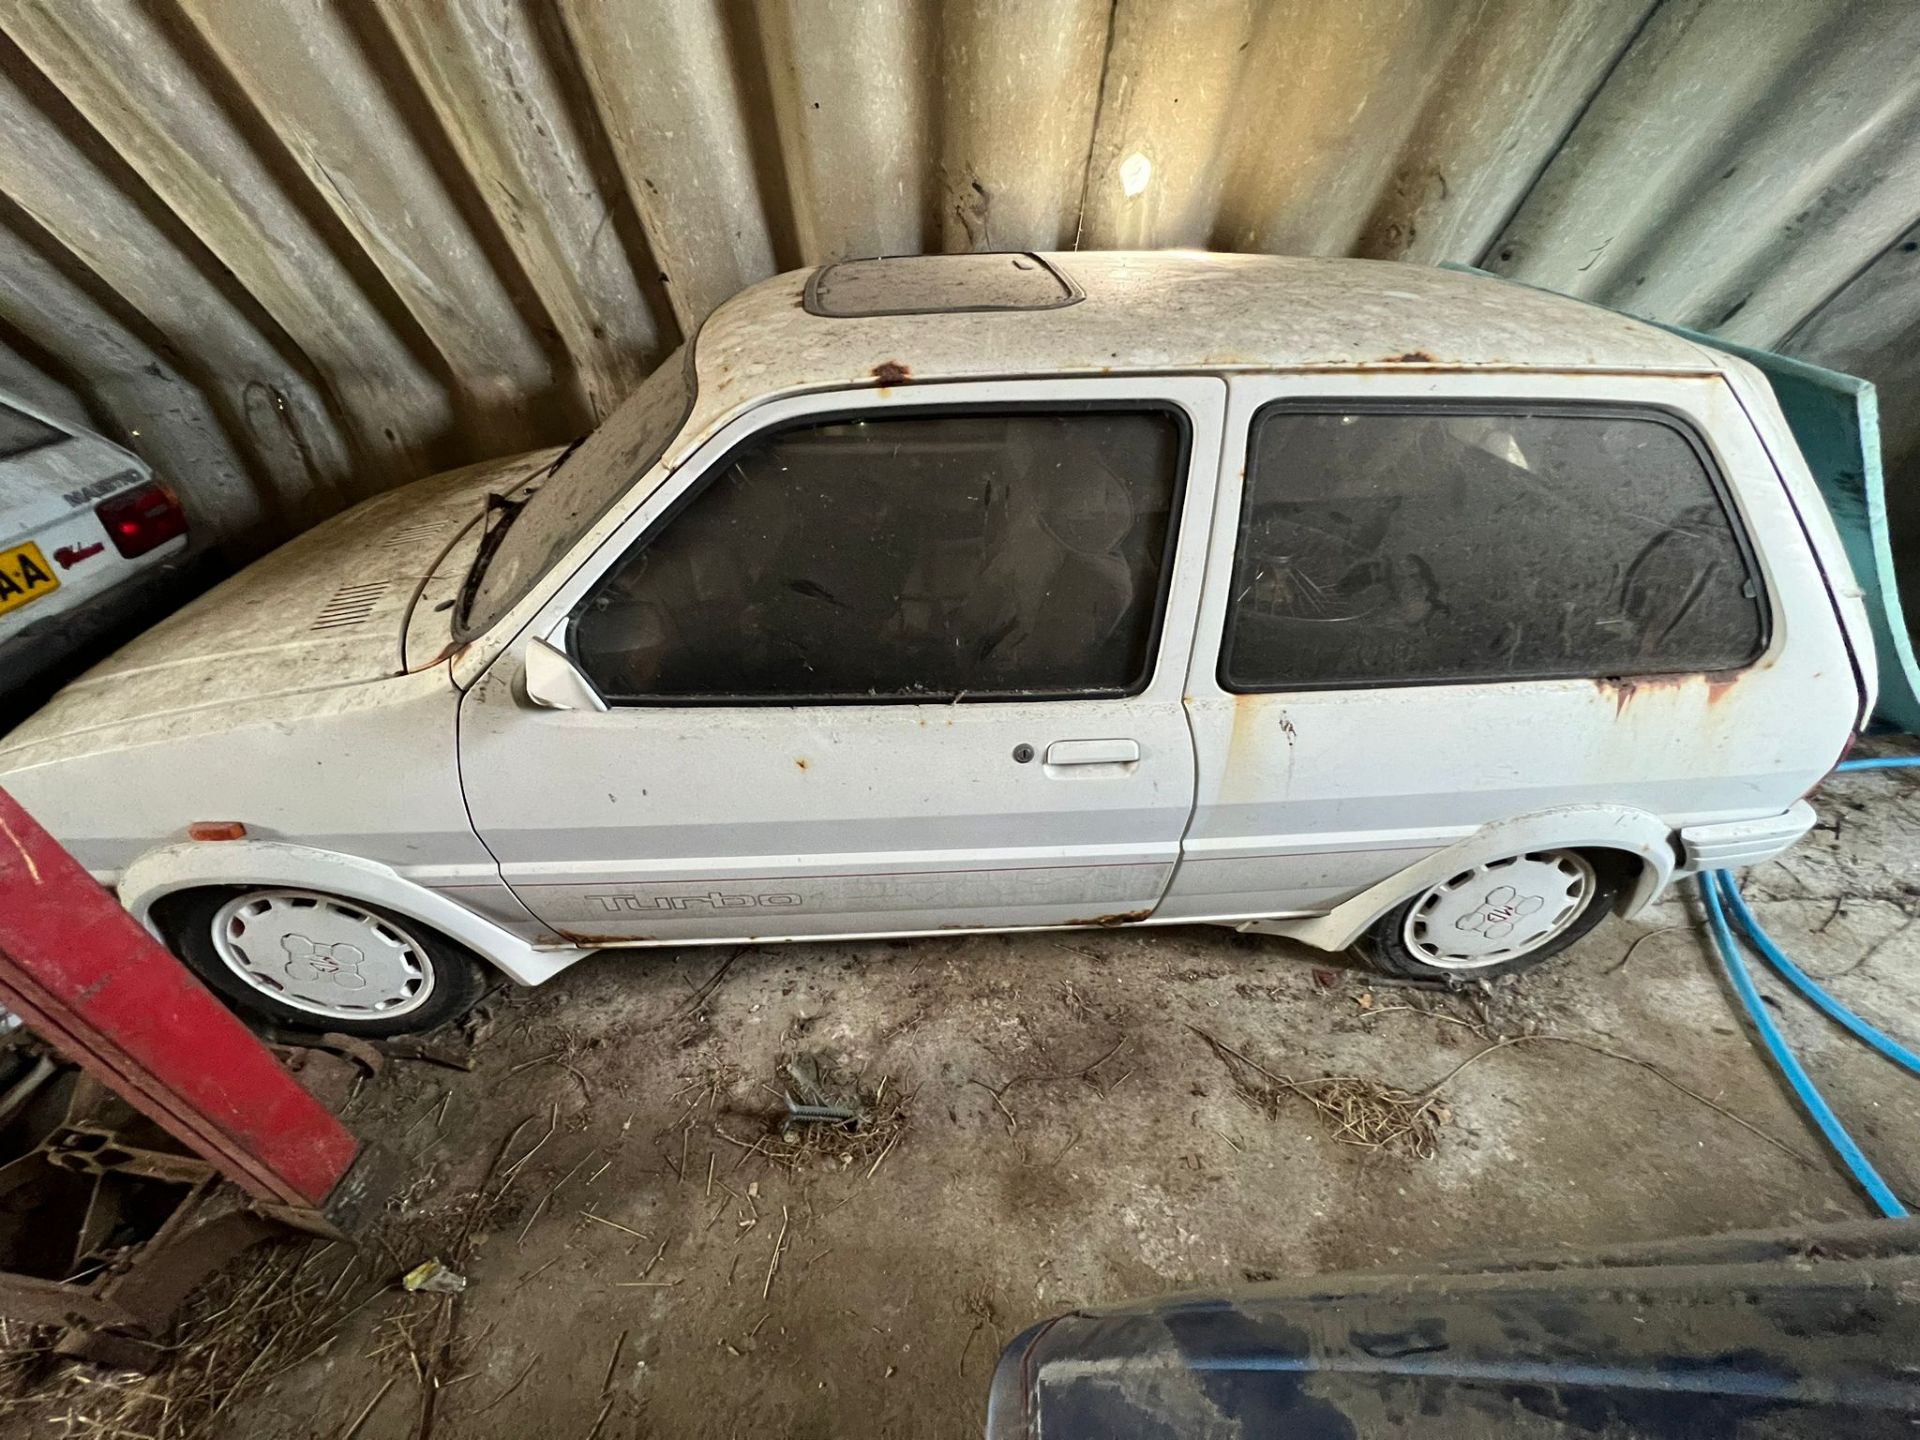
[(24, 577)]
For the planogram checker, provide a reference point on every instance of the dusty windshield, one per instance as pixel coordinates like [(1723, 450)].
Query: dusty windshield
[(538, 524)]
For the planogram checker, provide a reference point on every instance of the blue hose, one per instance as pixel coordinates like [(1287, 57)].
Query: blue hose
[(1808, 986), (1894, 762), (1797, 1078)]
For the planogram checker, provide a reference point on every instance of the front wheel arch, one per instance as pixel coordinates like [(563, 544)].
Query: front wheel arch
[(186, 920), (251, 864)]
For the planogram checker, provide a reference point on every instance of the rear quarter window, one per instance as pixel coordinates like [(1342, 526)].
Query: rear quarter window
[(1395, 545), (21, 434)]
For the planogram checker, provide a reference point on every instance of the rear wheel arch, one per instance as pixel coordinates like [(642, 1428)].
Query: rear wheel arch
[(1638, 848), (1638, 880)]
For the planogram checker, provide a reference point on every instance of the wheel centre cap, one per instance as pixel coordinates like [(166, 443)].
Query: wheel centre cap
[(1498, 912), (337, 963)]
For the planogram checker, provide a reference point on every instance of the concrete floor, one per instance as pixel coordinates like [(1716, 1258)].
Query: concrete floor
[(1071, 1139)]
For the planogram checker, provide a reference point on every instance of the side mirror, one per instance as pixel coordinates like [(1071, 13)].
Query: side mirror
[(554, 682)]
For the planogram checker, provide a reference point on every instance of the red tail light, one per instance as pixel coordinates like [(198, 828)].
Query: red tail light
[(143, 519)]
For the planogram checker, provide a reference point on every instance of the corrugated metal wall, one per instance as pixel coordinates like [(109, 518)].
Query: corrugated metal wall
[(296, 251)]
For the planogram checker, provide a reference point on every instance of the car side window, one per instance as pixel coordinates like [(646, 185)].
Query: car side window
[(929, 556), (1406, 546)]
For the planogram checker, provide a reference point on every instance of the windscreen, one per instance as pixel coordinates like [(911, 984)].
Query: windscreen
[(558, 508)]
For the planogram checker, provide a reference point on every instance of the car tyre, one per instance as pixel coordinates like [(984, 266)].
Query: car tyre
[(404, 978), (1497, 918)]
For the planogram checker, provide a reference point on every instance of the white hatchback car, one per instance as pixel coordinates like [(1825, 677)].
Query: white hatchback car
[(1332, 599), (85, 530)]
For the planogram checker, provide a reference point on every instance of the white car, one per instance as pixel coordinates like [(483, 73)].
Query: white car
[(1332, 599), (85, 529)]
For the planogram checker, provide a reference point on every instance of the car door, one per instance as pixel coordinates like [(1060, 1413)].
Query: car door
[(873, 662), (1436, 600)]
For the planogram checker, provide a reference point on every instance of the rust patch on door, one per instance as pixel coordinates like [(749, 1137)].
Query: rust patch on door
[(891, 372), (1412, 357), (1260, 748), (1718, 686), (1624, 691)]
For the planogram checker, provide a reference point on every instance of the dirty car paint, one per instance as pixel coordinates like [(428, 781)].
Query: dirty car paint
[(1800, 1336)]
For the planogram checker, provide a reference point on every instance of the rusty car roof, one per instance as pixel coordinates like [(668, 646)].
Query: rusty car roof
[(1145, 311)]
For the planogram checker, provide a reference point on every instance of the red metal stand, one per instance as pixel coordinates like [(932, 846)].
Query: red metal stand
[(88, 980)]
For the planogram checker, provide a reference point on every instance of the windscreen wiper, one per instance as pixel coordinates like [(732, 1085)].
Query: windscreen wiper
[(495, 520), (498, 516)]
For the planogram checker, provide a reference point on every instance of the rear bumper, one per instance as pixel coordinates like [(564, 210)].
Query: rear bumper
[(1741, 842), (137, 599)]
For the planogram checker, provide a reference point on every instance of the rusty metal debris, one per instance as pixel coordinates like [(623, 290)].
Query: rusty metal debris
[(106, 1222), (89, 1187), (827, 1114), (818, 1092)]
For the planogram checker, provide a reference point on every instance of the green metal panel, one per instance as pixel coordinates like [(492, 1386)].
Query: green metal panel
[(1836, 419)]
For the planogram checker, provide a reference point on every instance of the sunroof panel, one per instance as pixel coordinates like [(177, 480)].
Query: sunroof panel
[(937, 284)]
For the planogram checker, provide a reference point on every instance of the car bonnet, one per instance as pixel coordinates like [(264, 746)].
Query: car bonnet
[(323, 611)]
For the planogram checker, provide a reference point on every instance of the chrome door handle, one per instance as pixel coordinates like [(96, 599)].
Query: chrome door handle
[(1093, 752)]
